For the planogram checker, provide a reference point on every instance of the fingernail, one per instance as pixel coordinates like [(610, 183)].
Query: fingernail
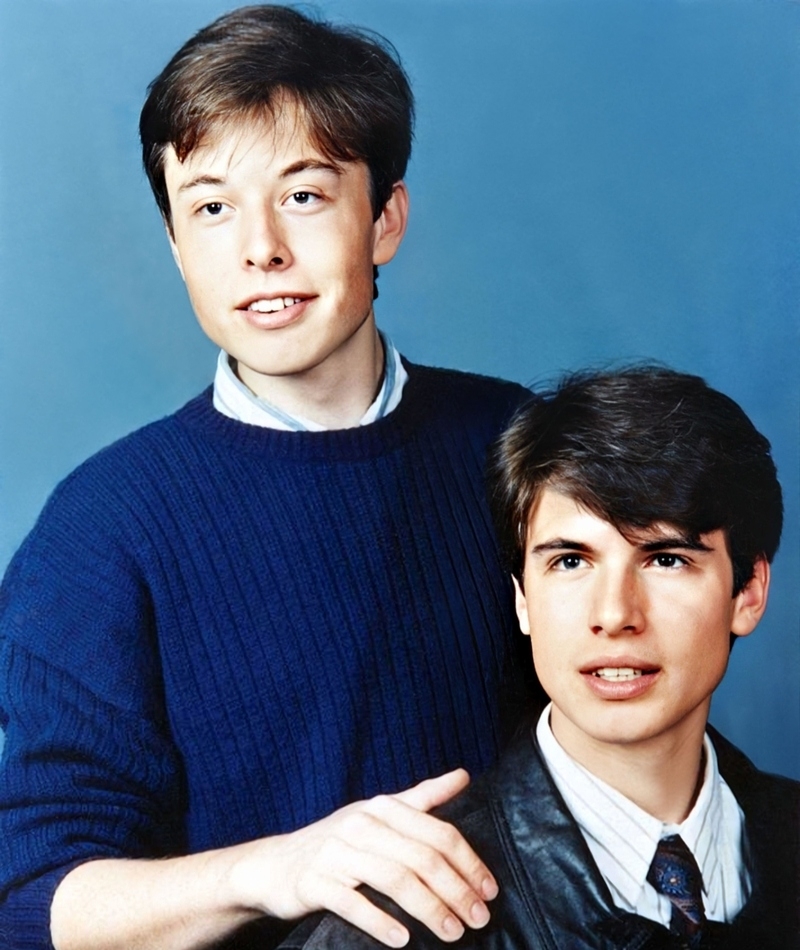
[(479, 913), (489, 888), (452, 927), (397, 937)]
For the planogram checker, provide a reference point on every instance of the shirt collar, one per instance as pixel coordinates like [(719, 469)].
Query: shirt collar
[(623, 837), (233, 399)]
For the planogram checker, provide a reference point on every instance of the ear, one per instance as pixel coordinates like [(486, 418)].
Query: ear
[(390, 227), (751, 601), (174, 248), (521, 605)]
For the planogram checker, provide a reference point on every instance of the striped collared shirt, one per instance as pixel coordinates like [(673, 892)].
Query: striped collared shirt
[(623, 838), (233, 399)]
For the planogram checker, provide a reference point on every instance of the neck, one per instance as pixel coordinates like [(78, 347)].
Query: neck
[(662, 775), (335, 393)]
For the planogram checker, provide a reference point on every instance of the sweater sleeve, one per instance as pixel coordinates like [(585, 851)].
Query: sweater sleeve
[(88, 768)]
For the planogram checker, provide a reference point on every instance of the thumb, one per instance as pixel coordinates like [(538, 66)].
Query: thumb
[(434, 791)]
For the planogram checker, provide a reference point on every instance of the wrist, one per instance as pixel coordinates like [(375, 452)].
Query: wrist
[(251, 878)]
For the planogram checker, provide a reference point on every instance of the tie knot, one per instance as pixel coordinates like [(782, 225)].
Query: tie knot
[(675, 874)]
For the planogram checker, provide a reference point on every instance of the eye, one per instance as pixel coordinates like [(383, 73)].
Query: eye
[(213, 208), (669, 560), (304, 198), (568, 562)]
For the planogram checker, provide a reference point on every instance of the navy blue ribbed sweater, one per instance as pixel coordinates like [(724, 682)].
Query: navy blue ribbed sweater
[(217, 632)]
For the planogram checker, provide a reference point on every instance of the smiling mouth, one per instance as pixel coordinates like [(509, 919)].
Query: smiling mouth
[(273, 304), (619, 674)]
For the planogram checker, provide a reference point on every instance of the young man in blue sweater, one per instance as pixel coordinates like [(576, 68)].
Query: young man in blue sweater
[(284, 599), (639, 512)]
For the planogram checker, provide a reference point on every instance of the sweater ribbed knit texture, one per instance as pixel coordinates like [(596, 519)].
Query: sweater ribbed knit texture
[(217, 631)]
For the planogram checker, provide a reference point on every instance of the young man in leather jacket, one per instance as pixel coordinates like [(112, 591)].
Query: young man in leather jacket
[(639, 512)]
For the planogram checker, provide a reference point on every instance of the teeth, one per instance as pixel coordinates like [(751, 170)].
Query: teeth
[(275, 303), (617, 673)]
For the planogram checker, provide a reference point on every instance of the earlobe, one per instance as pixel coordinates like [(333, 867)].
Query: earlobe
[(390, 227), (521, 605), (751, 601)]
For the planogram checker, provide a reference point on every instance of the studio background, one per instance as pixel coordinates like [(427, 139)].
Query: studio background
[(591, 182)]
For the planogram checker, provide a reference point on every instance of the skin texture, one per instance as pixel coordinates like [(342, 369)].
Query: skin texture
[(258, 212), (592, 599)]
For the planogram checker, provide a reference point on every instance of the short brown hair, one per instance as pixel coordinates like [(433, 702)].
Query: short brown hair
[(637, 446), (348, 84)]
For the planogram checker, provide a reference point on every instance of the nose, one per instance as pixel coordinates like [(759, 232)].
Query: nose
[(617, 604), (264, 243)]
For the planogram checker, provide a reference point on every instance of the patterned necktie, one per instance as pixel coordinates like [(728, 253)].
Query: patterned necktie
[(675, 874)]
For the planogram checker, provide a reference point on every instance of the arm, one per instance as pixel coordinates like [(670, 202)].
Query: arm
[(388, 842), (92, 789)]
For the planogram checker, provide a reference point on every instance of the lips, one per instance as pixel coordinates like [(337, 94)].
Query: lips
[(623, 677), (274, 311), (274, 304), (623, 662), (273, 300)]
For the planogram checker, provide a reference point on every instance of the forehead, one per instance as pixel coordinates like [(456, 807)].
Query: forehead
[(273, 134), (558, 514)]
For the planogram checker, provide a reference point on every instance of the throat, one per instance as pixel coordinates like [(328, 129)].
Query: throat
[(662, 775), (334, 394)]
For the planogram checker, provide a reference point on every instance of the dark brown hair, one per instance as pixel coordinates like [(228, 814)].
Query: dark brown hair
[(348, 85), (638, 446)]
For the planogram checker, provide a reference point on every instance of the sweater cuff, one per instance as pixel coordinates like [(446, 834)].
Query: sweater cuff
[(25, 913)]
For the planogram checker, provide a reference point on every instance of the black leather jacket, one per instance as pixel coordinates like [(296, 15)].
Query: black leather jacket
[(551, 893)]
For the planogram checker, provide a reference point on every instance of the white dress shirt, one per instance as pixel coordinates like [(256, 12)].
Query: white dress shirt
[(623, 838), (233, 399)]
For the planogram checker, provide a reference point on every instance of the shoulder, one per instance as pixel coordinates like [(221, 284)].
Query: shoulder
[(749, 784), (82, 535), (474, 386), (460, 400), (154, 438), (770, 803), (771, 808), (130, 465)]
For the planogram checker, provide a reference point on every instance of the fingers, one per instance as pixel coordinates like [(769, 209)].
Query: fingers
[(420, 862), (363, 914), (431, 893), (435, 850), (434, 791), (435, 896)]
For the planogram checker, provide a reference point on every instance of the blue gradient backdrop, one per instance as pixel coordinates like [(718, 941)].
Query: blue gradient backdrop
[(592, 181)]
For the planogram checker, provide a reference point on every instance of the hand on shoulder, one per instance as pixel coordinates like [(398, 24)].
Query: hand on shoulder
[(389, 843)]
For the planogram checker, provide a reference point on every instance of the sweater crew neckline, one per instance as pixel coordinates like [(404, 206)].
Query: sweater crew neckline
[(365, 441)]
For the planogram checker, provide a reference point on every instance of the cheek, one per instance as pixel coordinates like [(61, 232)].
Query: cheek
[(207, 273), (203, 294), (707, 613), (695, 635), (561, 613), (353, 250), (554, 628)]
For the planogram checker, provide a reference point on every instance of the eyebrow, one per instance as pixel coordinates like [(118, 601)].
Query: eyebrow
[(668, 543), (310, 164), (672, 542), (213, 180), (560, 544), (296, 168)]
